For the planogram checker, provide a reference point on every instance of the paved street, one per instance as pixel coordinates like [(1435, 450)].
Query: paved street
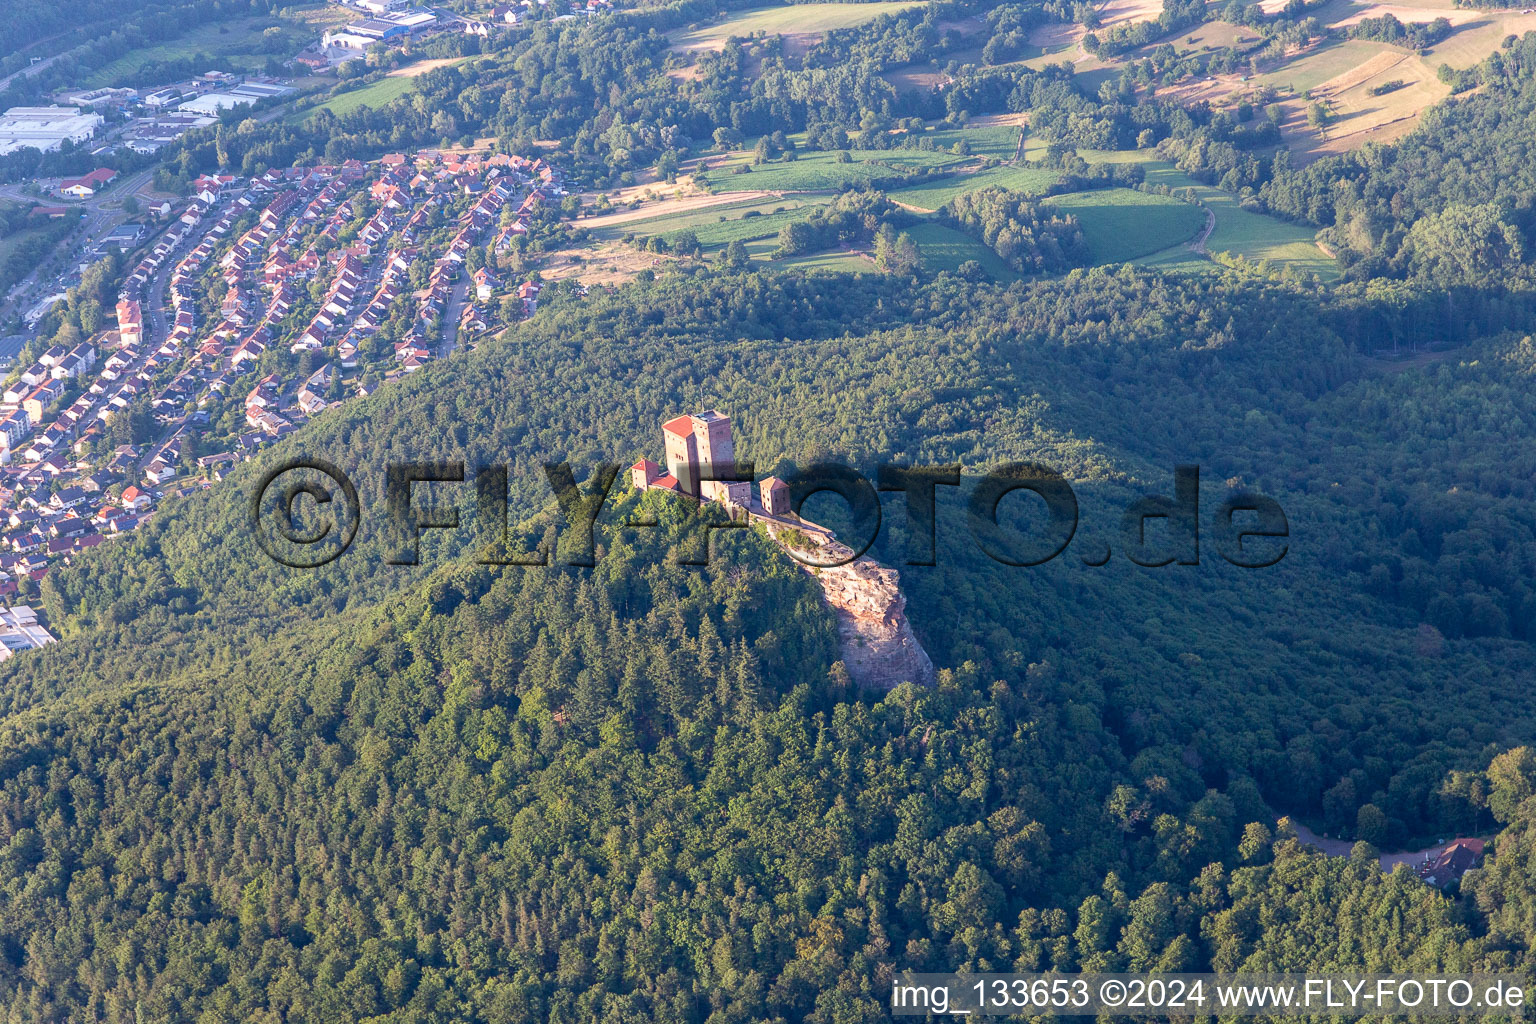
[(30, 69), (102, 214), (451, 314)]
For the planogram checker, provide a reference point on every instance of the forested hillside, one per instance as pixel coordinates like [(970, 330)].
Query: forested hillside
[(1419, 208), (642, 790), (646, 792)]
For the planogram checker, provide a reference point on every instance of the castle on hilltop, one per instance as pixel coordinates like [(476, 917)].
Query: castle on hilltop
[(877, 643), (698, 447)]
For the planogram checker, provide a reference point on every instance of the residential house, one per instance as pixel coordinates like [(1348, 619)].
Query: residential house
[(135, 500)]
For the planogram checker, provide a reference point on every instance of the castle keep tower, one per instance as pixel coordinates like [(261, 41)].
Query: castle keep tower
[(697, 446), (682, 454), (717, 455)]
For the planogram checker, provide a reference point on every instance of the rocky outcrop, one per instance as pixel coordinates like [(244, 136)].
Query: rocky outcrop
[(873, 633)]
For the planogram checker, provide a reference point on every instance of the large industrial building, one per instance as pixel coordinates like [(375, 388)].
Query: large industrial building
[(210, 103), (45, 128), (394, 24)]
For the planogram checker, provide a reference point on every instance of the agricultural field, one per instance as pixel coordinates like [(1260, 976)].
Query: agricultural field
[(1477, 33), (392, 86), (1339, 71), (1256, 237), (712, 219), (1360, 115), (1474, 40), (375, 94), (945, 248), (820, 171), (1176, 259), (1122, 224), (1057, 41), (995, 140), (930, 195), (1323, 64), (800, 24)]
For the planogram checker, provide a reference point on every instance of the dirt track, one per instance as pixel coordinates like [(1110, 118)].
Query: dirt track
[(667, 207)]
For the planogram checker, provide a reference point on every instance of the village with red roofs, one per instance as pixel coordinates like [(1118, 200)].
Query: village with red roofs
[(262, 303)]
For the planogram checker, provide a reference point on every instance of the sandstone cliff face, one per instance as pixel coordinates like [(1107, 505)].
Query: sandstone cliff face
[(873, 633)]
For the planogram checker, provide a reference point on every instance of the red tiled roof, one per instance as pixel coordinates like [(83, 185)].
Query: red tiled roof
[(682, 426), (100, 176)]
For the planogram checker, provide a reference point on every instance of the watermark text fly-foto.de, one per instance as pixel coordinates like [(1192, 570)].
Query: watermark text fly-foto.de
[(307, 512)]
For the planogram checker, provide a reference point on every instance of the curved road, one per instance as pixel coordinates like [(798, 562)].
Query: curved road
[(1341, 848), (97, 221), (1198, 245), (28, 70)]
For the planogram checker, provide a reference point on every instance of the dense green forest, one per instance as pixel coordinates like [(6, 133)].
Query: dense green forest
[(1029, 237), (93, 31), (456, 791), (650, 791)]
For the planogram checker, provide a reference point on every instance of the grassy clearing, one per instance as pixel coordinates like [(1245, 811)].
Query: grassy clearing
[(705, 217), (421, 67), (914, 77), (945, 248), (817, 171), (931, 195), (1210, 36), (1034, 148), (240, 41), (785, 19), (762, 248), (1257, 237), (1040, 57), (1328, 61), (375, 95), (744, 229), (835, 262), (995, 140), (1122, 224)]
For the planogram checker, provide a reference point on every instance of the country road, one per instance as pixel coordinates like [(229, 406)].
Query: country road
[(28, 70), (1342, 848), (97, 221), (1198, 245)]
